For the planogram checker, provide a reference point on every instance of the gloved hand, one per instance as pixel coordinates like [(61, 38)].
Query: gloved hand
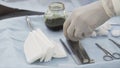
[(84, 20)]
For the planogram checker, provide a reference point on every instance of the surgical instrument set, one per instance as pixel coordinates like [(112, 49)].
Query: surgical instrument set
[(108, 56)]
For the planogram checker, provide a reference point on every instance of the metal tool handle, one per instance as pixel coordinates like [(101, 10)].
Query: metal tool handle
[(104, 50), (65, 46), (118, 45), (70, 52), (107, 58), (111, 57), (88, 59), (80, 52), (29, 24), (116, 55)]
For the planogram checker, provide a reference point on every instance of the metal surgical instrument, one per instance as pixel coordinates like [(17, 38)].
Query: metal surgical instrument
[(117, 44), (70, 52), (29, 23), (80, 52), (108, 56)]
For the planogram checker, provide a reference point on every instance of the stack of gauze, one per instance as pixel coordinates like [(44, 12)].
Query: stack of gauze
[(102, 30), (39, 47), (115, 33)]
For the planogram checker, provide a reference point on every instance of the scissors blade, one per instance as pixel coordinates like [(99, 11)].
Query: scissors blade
[(117, 44)]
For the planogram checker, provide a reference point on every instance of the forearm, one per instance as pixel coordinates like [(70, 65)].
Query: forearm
[(99, 15), (103, 16), (112, 7)]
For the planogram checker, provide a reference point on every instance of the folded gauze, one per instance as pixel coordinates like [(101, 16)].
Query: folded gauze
[(115, 33), (38, 46), (102, 30)]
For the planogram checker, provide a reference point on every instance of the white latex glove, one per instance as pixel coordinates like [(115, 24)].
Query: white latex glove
[(105, 26), (94, 34), (84, 20)]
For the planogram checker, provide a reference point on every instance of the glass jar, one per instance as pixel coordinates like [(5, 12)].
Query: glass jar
[(55, 16)]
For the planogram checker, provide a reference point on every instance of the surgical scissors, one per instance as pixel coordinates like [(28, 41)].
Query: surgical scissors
[(108, 56)]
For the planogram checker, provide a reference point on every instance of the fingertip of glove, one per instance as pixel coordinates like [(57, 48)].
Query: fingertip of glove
[(73, 39)]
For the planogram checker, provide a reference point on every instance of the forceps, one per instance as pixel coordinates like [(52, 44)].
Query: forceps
[(29, 23), (108, 56)]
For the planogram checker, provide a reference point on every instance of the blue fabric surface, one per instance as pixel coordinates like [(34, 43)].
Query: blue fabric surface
[(42, 5), (14, 31)]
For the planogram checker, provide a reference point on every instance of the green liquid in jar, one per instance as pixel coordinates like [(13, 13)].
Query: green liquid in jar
[(55, 24)]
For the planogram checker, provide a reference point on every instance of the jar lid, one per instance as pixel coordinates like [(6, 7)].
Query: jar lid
[(56, 6)]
